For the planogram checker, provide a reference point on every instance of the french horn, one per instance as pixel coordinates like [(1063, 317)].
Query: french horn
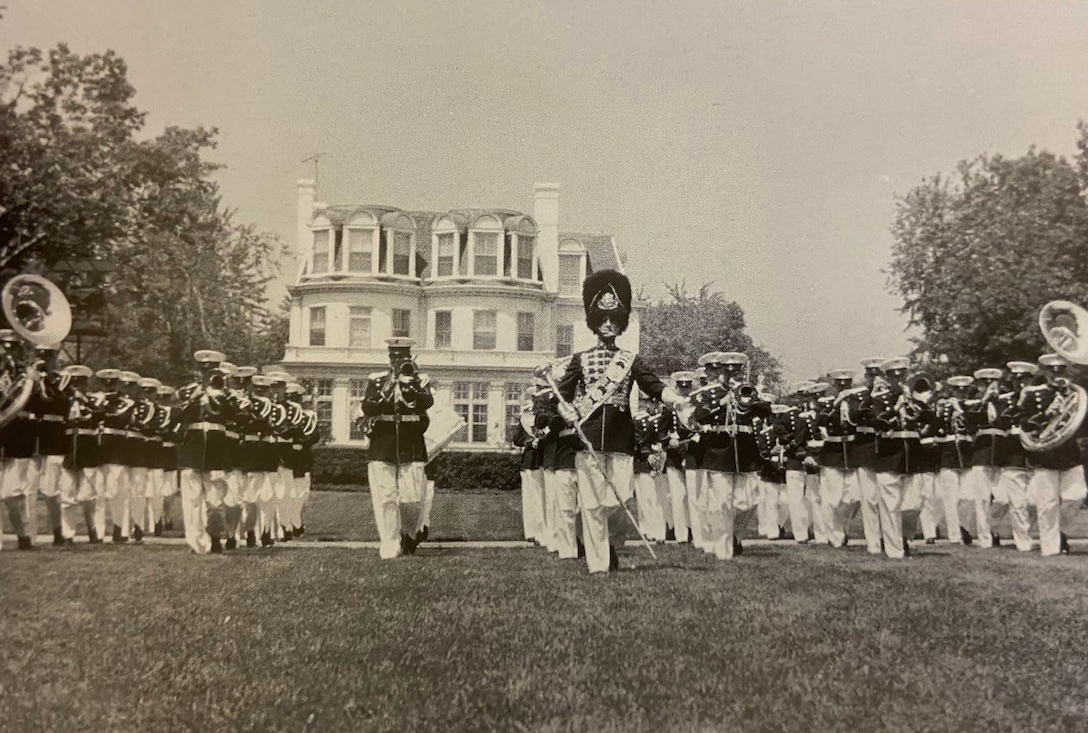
[(37, 312), (1065, 328)]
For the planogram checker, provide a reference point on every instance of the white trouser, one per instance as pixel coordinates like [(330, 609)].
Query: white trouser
[(1058, 496), (931, 510), (982, 483), (869, 490), (814, 499), (565, 529), (894, 497), (839, 494), (732, 498), (603, 482), (767, 514), (548, 518), (678, 498), (1013, 483), (390, 487), (651, 518), (18, 483), (155, 498), (532, 503), (954, 492), (795, 496), (49, 472), (140, 478), (194, 510), (700, 511), (117, 488)]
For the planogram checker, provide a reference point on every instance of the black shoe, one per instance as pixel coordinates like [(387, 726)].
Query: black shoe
[(811, 536), (996, 541), (845, 541), (158, 528), (691, 537), (670, 535), (217, 546), (906, 549), (286, 534), (301, 530), (1063, 544), (738, 548), (423, 534), (407, 544), (232, 543), (93, 538), (137, 534), (581, 550), (117, 534), (931, 541), (251, 539), (965, 536), (58, 538), (613, 559), (266, 539), (25, 543)]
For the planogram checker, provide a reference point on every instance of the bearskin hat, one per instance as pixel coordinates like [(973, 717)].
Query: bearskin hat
[(607, 293)]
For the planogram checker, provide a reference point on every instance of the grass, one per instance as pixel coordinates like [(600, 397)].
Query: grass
[(783, 639)]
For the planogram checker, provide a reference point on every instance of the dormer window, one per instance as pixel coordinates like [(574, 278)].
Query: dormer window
[(398, 246), (360, 250), (446, 244), (321, 251), (572, 267), (486, 253), (526, 246), (402, 253)]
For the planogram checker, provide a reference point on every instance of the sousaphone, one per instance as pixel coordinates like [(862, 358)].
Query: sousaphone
[(1065, 328), (39, 313)]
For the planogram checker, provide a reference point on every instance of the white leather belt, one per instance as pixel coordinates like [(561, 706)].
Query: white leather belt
[(397, 418), (205, 426)]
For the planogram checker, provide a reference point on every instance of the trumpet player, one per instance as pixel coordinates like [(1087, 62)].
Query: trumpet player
[(985, 470), (796, 428), (954, 439), (681, 470), (864, 454), (396, 401), (49, 403), (201, 453), (1014, 472), (145, 452), (532, 468), (80, 477), (1057, 481), (651, 486), (839, 491)]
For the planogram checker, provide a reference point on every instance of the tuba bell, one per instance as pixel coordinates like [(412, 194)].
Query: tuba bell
[(1065, 328), (37, 312)]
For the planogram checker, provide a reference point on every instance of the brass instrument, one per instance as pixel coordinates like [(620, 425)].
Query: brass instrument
[(918, 391), (1065, 328), (37, 312)]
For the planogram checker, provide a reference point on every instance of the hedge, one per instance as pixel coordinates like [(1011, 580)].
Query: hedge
[(451, 471)]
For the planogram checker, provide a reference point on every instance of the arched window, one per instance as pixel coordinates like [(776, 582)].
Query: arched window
[(399, 250), (449, 244), (321, 256), (520, 256), (485, 238), (572, 267), (360, 244)]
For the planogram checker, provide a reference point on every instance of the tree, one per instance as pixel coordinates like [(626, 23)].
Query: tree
[(677, 330), (78, 184), (975, 256), (65, 122)]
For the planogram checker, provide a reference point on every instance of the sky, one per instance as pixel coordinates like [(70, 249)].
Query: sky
[(758, 146)]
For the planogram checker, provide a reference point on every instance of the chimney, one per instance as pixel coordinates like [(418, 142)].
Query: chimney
[(307, 190), (546, 213)]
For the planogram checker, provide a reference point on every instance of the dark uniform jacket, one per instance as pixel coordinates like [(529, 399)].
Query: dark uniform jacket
[(609, 428), (203, 420), (116, 438), (398, 418), (50, 404), (1065, 456), (953, 436), (682, 456), (84, 415), (725, 447), (838, 439)]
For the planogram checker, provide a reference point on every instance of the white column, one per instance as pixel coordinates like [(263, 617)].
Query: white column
[(500, 254), (341, 410), (471, 253), (375, 248), (496, 413), (412, 254), (434, 255)]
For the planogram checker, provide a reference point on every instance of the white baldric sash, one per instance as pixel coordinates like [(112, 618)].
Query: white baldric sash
[(605, 385)]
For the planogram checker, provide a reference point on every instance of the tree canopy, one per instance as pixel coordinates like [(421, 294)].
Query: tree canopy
[(80, 184), (978, 253), (681, 327)]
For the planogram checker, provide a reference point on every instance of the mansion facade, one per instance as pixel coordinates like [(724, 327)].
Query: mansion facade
[(487, 294)]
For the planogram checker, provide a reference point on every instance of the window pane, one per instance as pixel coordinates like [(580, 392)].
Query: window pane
[(360, 249), (359, 328), (462, 390), (483, 330), (402, 247), (321, 251), (443, 329), (462, 434), (445, 254), (570, 274), (317, 326), (564, 340), (479, 423), (487, 253), (479, 391), (402, 323), (525, 257), (526, 331)]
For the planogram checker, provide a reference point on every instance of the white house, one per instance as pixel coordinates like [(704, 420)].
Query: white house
[(487, 294)]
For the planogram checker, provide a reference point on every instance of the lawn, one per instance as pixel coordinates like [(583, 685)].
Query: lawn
[(785, 638)]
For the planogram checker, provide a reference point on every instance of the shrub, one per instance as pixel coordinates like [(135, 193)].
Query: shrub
[(451, 470)]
